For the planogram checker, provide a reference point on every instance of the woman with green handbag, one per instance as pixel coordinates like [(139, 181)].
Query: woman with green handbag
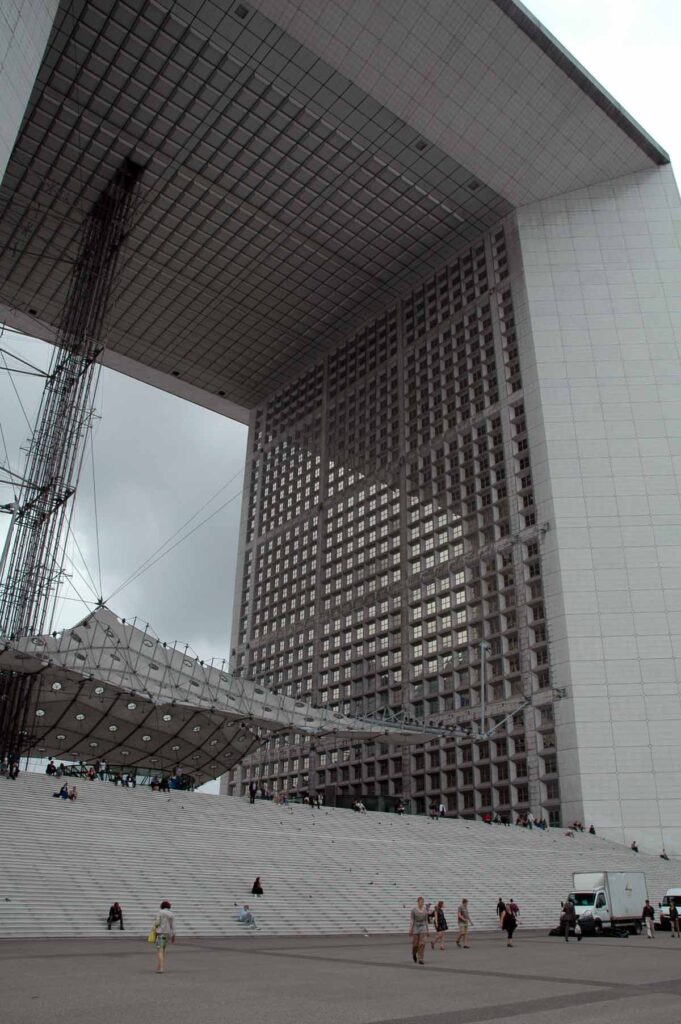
[(162, 932)]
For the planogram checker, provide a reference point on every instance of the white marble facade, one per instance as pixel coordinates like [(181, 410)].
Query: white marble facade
[(24, 30), (597, 283)]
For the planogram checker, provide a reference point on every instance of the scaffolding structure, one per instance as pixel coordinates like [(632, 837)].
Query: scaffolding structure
[(31, 564)]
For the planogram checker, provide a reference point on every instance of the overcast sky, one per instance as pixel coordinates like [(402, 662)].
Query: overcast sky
[(633, 48), (158, 459)]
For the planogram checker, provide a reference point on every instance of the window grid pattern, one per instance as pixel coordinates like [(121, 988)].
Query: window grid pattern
[(284, 584), (291, 477), (425, 543)]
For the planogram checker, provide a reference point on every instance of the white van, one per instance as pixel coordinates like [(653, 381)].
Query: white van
[(671, 896)]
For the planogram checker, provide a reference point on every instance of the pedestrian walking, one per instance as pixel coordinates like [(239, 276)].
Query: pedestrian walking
[(648, 917), (568, 918), (501, 910), (464, 922), (440, 925), (164, 930), (674, 920), (509, 923), (418, 929), (253, 791)]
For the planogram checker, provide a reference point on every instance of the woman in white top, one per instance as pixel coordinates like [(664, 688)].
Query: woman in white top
[(165, 932)]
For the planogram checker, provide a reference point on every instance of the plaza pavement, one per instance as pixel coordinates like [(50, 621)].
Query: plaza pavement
[(340, 980)]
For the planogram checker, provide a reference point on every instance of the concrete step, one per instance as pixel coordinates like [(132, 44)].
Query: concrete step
[(324, 871)]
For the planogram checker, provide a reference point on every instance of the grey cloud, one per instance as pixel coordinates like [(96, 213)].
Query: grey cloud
[(157, 460)]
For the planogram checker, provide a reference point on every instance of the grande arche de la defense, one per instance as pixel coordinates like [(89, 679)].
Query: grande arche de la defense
[(435, 267)]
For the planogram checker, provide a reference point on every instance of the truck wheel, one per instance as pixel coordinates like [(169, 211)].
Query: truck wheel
[(598, 927), (636, 929)]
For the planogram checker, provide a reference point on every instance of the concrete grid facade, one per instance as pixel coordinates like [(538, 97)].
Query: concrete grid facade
[(390, 526), (495, 457)]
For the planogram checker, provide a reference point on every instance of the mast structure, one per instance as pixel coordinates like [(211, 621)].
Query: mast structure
[(31, 563)]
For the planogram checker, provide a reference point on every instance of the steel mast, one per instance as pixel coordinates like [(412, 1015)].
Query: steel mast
[(32, 566)]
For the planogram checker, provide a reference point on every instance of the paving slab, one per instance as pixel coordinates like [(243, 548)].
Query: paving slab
[(339, 980)]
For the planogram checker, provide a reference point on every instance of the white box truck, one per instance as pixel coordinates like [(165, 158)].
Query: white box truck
[(609, 900)]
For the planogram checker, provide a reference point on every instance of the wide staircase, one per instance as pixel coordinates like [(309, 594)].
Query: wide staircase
[(326, 872)]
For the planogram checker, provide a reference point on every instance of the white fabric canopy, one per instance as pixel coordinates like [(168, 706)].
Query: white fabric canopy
[(111, 688)]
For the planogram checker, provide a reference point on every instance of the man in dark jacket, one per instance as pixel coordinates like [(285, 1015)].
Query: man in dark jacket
[(568, 918), (674, 919), (115, 914)]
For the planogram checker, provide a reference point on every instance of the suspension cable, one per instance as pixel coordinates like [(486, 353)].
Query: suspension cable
[(187, 536), (14, 387), (89, 582), (94, 499), (7, 461), (33, 370), (160, 553)]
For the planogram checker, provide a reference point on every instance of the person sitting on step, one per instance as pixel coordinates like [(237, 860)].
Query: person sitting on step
[(246, 916), (115, 914)]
